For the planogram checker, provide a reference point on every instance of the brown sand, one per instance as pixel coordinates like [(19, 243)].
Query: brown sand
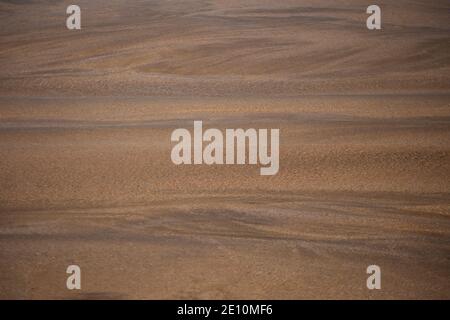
[(85, 170)]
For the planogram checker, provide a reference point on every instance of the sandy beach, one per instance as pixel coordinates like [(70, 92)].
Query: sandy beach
[(86, 176)]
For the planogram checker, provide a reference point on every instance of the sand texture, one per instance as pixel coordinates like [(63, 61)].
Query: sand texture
[(86, 176)]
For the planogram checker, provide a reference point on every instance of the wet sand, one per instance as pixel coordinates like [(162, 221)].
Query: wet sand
[(86, 176)]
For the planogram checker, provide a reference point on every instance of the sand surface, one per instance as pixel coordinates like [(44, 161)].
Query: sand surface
[(86, 176)]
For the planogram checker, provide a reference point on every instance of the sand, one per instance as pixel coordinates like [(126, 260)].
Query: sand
[(86, 176)]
